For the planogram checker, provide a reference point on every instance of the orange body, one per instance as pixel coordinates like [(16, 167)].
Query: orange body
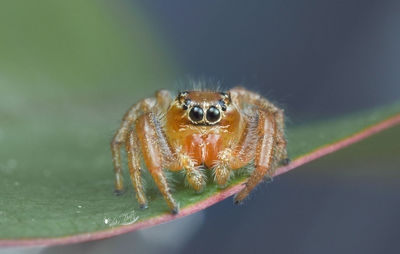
[(204, 148), (202, 142), (197, 130)]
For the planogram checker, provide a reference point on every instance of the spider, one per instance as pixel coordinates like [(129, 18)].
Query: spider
[(198, 130)]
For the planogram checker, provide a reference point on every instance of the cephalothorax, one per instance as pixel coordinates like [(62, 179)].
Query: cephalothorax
[(200, 130)]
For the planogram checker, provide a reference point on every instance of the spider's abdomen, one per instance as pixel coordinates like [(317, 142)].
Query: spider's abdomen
[(203, 148)]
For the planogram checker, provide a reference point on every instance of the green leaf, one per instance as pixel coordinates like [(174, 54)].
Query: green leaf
[(69, 71)]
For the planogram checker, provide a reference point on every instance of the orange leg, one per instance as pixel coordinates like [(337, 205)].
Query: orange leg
[(243, 96), (239, 156), (133, 150), (280, 154), (264, 153), (152, 154), (163, 98), (119, 138)]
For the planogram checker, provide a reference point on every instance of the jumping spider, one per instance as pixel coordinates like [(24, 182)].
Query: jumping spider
[(196, 130)]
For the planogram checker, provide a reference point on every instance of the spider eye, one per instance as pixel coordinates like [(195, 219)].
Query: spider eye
[(222, 104), (186, 104), (196, 114), (213, 114)]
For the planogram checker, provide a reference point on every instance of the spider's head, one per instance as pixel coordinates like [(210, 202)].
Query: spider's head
[(204, 108)]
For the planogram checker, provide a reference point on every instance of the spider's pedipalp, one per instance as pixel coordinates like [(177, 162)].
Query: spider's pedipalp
[(222, 173), (194, 174)]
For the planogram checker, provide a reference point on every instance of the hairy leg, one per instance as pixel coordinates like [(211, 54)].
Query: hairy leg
[(153, 157), (194, 175), (264, 153), (280, 155), (133, 150), (120, 137), (243, 96), (237, 156), (163, 98)]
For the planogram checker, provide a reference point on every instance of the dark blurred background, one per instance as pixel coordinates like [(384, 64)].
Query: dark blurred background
[(316, 59)]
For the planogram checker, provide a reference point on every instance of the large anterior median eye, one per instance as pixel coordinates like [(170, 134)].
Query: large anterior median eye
[(212, 114), (196, 114)]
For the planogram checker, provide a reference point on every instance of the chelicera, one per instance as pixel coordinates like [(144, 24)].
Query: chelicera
[(196, 131)]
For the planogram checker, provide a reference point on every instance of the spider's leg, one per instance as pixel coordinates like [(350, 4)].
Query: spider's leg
[(264, 153), (243, 96), (118, 139), (133, 150), (146, 129), (280, 154), (164, 99), (121, 136), (238, 156)]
